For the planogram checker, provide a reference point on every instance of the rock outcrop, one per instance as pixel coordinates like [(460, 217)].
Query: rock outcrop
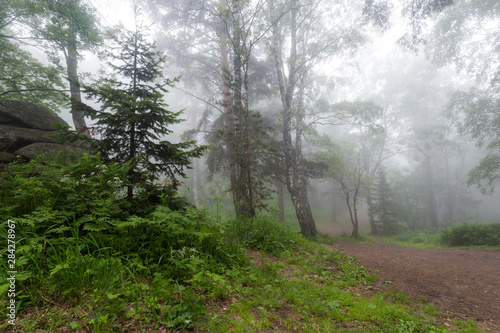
[(27, 115), (26, 129)]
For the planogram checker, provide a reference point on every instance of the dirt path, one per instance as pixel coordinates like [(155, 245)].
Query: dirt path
[(463, 284)]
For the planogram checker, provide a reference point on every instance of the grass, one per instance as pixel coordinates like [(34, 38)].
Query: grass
[(312, 288), (417, 239), (110, 265), (315, 290), (420, 240)]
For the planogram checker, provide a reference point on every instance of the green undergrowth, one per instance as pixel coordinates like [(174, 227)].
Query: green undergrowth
[(420, 240), (361, 239), (472, 234), (88, 260), (461, 236)]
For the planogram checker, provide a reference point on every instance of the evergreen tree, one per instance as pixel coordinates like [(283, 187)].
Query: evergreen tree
[(384, 207), (133, 118)]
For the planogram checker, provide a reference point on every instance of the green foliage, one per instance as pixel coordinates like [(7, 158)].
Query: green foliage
[(163, 267), (24, 78), (472, 234), (264, 232), (476, 113), (384, 206), (133, 118), (63, 23), (179, 243), (419, 239), (55, 190), (78, 243)]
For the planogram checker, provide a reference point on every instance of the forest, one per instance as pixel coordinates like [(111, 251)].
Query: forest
[(226, 146)]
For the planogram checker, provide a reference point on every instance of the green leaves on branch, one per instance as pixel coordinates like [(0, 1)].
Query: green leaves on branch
[(476, 113), (133, 119)]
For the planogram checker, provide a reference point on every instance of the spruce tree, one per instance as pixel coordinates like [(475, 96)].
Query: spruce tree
[(133, 118), (384, 207)]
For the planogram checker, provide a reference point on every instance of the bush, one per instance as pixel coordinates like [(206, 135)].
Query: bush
[(264, 232), (180, 243), (86, 188), (80, 205), (472, 234)]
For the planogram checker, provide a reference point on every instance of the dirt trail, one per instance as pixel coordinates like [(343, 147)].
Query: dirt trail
[(463, 284)]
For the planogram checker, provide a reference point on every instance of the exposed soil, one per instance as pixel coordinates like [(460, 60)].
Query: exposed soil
[(463, 284)]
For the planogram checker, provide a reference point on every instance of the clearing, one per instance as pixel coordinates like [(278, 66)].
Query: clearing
[(463, 284)]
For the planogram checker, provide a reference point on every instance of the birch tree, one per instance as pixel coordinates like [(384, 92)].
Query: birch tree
[(305, 35)]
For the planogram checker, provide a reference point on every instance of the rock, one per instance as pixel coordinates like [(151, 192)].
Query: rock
[(49, 149), (25, 130), (28, 115), (13, 138), (7, 157)]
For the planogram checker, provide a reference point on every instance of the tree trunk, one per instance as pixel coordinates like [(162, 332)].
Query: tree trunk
[(354, 233), (229, 122), (195, 182), (281, 201), (335, 211), (371, 217), (132, 146), (74, 86), (303, 212), (244, 186), (295, 178), (431, 197), (355, 229), (450, 203)]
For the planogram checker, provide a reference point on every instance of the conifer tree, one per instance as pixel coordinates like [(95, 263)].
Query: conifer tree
[(133, 118), (384, 207)]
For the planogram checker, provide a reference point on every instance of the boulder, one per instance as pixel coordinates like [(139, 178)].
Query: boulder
[(13, 138), (7, 157), (49, 150), (26, 129), (27, 115)]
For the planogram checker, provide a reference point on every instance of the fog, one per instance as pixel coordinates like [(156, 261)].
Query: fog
[(368, 100)]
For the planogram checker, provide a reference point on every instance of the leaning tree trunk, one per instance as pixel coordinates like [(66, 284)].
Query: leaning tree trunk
[(303, 210), (302, 206), (74, 86)]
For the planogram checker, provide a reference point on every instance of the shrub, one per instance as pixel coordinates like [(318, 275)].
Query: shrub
[(81, 203), (264, 232), (472, 234), (179, 242), (86, 188)]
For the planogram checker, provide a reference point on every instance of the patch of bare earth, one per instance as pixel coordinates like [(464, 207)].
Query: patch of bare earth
[(463, 284)]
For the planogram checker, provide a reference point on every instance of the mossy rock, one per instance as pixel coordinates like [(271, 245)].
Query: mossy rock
[(48, 150), (7, 157), (27, 115)]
